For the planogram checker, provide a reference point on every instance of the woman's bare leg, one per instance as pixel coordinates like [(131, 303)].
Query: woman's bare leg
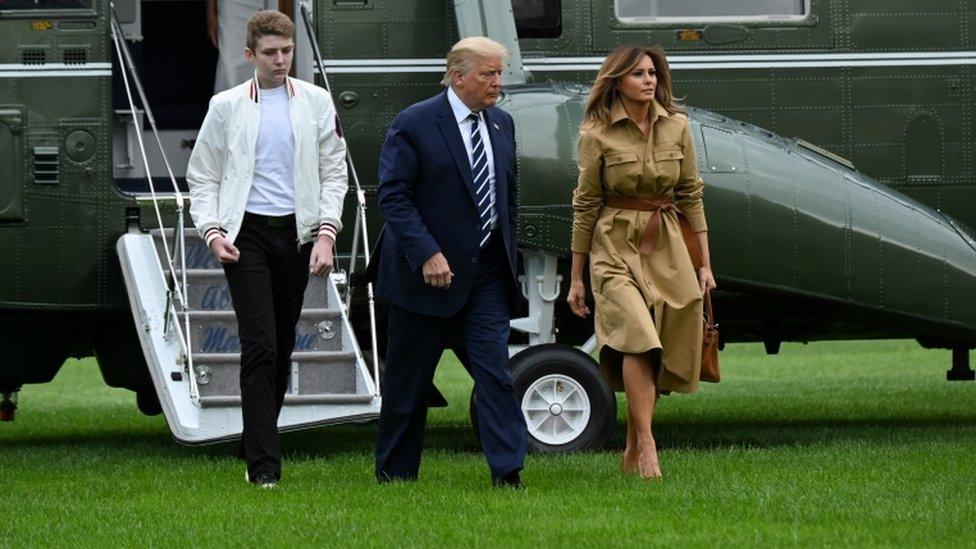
[(641, 388), (628, 462)]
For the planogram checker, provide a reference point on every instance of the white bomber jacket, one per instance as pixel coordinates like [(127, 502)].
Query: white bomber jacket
[(221, 167)]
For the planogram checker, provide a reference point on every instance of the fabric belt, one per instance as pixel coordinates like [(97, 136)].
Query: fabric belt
[(657, 204), (274, 221)]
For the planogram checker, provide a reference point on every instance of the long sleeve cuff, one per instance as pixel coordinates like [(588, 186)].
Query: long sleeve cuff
[(581, 241), (697, 221), (210, 234), (327, 229)]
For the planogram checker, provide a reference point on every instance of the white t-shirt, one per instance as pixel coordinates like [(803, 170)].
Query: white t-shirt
[(273, 188)]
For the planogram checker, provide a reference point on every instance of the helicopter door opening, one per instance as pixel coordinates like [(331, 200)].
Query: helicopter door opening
[(177, 63)]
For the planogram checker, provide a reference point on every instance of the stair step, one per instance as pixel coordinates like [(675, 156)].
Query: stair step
[(218, 334), (198, 255), (298, 356), (228, 401), (312, 374), (190, 232), (229, 315), (208, 291)]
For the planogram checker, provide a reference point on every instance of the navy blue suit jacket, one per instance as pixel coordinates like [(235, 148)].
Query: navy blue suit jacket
[(427, 199)]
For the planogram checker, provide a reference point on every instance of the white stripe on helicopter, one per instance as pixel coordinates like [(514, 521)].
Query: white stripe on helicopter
[(681, 62), (48, 70)]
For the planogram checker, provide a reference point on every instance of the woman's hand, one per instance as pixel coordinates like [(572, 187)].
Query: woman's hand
[(706, 281), (577, 298)]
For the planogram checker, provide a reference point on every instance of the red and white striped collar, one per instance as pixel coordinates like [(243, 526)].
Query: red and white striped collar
[(254, 91)]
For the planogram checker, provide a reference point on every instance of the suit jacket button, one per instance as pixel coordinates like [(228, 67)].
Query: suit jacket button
[(474, 260)]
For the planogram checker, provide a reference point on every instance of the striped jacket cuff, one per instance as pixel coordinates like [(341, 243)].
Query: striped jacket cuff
[(327, 229), (211, 234)]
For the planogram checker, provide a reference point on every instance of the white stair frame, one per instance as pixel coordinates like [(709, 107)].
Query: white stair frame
[(166, 355)]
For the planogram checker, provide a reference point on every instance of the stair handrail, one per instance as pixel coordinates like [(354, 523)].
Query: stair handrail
[(179, 240), (359, 228)]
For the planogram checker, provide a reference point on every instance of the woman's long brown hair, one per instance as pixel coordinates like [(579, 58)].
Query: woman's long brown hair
[(618, 64)]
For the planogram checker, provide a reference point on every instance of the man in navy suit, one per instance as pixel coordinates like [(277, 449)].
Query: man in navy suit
[(446, 261)]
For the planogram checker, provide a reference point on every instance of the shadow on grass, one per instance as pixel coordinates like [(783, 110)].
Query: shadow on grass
[(358, 440), (717, 435)]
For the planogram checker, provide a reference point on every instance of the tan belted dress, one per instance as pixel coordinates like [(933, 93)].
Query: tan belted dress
[(643, 301)]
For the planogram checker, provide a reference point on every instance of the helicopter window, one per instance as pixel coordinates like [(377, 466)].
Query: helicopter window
[(665, 11), (537, 18), (45, 5)]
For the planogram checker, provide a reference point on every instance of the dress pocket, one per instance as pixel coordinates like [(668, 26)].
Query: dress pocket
[(667, 163), (621, 171)]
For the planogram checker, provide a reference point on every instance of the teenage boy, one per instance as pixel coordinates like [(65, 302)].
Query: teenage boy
[(267, 180)]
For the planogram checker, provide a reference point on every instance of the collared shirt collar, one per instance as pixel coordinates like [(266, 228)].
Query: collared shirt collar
[(254, 91), (461, 111), (618, 113)]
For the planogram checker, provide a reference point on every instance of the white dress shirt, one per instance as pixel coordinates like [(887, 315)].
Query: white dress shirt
[(461, 112)]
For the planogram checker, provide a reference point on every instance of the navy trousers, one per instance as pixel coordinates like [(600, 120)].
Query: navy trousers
[(416, 342)]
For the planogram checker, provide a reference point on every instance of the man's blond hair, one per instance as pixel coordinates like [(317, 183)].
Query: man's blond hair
[(463, 55)]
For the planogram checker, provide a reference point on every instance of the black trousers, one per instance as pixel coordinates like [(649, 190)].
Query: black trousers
[(267, 287), (416, 341)]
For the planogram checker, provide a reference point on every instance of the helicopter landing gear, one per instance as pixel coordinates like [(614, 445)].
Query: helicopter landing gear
[(960, 366), (8, 405)]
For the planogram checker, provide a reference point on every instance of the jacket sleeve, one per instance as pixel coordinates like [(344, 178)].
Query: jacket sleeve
[(688, 190), (333, 174), (397, 182), (588, 196), (205, 170)]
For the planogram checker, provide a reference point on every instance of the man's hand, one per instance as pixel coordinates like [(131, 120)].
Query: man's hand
[(320, 263), (437, 272), (224, 250)]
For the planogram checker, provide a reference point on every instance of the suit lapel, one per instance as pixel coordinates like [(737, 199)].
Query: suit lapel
[(499, 153), (452, 135)]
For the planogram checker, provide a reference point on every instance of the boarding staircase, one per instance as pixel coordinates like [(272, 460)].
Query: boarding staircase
[(193, 352), (326, 365)]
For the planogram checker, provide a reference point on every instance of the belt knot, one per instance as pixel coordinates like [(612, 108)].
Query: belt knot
[(657, 204)]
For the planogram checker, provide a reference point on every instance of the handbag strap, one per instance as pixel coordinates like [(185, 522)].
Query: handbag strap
[(709, 314)]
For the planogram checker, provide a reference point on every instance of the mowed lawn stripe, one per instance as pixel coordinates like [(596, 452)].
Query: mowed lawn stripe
[(849, 443)]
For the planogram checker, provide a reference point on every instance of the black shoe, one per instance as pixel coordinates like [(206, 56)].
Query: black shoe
[(263, 479), (385, 478), (511, 480)]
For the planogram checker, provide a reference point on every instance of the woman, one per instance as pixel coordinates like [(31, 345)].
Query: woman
[(637, 176)]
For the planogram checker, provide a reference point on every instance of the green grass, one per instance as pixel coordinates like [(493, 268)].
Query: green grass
[(859, 443)]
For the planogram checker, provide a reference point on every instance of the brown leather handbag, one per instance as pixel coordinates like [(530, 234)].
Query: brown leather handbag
[(709, 362)]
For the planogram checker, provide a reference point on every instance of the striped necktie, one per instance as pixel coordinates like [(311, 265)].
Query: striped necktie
[(482, 180)]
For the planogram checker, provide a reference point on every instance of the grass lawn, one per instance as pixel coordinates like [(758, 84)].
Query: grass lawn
[(854, 443)]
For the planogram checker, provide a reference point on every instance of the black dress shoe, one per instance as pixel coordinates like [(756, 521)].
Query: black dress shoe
[(262, 479), (511, 480), (385, 478)]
